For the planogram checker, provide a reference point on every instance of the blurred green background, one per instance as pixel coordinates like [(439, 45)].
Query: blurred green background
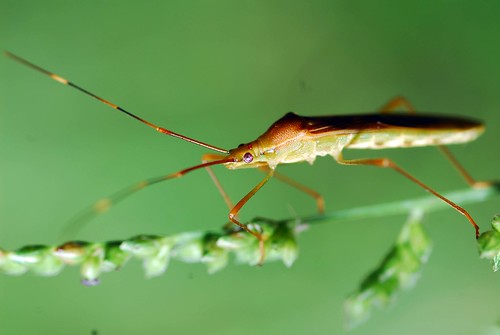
[(222, 72)]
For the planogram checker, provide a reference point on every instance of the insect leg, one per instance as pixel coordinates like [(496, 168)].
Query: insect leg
[(320, 203), (233, 214), (395, 103), (401, 101), (209, 158), (460, 168), (387, 163)]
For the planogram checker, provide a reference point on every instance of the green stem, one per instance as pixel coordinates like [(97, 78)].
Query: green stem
[(213, 248), (403, 207)]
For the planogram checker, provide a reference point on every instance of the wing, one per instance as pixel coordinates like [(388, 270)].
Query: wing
[(342, 124)]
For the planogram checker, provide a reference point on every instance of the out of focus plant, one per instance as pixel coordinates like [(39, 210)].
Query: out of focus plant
[(399, 270)]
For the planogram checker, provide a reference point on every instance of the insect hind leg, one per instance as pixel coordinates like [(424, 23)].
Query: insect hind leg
[(397, 102), (387, 163), (402, 103)]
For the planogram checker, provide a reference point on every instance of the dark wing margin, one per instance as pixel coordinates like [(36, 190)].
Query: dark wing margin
[(374, 122)]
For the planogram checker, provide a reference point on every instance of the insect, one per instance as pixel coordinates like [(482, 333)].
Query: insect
[(295, 138)]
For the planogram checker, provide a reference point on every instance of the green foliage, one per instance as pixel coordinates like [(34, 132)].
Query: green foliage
[(398, 271), (489, 244), (155, 252)]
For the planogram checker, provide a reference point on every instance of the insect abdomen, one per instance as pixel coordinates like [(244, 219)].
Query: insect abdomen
[(403, 138)]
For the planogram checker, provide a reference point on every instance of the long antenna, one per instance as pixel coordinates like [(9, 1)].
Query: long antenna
[(112, 105), (105, 204)]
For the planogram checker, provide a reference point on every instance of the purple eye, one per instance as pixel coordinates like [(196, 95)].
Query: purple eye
[(247, 158)]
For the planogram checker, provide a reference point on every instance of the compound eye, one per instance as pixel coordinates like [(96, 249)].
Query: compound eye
[(247, 158)]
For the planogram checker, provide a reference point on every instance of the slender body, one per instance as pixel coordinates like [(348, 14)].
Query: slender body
[(295, 138)]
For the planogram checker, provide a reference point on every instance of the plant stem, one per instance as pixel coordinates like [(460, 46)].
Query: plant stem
[(427, 204)]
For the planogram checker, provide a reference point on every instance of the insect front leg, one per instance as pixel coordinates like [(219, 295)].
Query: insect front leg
[(233, 214), (213, 157), (401, 102), (229, 203), (387, 163)]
